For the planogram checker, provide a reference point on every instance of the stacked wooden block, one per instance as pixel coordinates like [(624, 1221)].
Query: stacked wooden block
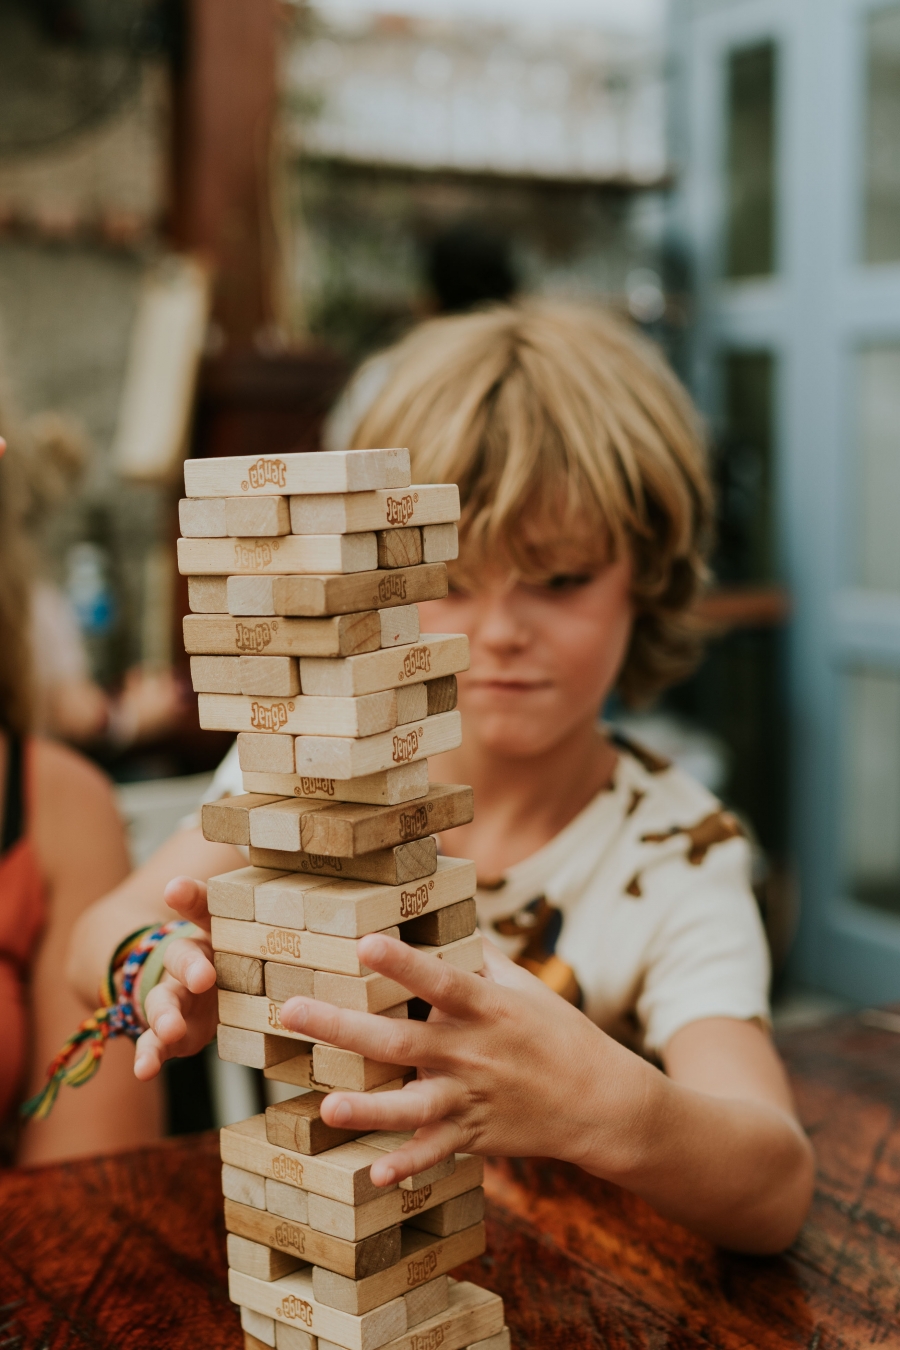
[(304, 572)]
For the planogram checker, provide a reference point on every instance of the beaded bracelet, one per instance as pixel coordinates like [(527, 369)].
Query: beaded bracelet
[(118, 1015)]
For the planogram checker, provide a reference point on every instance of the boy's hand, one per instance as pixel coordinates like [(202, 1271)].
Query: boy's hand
[(182, 1009), (495, 1051)]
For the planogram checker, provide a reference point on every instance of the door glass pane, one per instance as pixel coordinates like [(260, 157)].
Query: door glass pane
[(871, 812), (750, 229), (882, 162), (745, 538), (877, 472)]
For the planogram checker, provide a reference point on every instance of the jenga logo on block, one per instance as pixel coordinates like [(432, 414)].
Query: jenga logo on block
[(321, 860), (400, 509), (411, 1201), (252, 640), (416, 659), (413, 902), (392, 587), (297, 1309), (287, 1169), (282, 941), (421, 1268), (430, 1341), (414, 823), (274, 1015), (265, 471), (271, 718), (310, 785), (288, 1235), (406, 746), (256, 554)]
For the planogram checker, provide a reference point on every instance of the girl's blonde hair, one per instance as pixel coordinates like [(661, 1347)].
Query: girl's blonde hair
[(563, 428)]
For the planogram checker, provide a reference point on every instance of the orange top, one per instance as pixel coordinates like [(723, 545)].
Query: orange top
[(22, 916)]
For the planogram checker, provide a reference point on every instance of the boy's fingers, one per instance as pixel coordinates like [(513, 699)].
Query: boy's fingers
[(165, 1007), (188, 898), (149, 1054), (390, 1040), (410, 1108), (430, 1145), (455, 992), (186, 960)]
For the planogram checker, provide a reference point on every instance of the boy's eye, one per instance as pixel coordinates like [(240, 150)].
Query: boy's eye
[(567, 581)]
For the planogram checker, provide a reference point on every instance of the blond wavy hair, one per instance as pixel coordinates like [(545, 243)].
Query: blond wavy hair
[(567, 433)]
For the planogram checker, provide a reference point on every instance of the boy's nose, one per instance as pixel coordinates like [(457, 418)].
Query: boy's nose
[(501, 624)]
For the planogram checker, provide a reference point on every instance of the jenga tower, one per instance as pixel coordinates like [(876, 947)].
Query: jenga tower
[(304, 639)]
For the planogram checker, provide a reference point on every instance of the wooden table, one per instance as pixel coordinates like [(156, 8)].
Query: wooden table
[(128, 1252)]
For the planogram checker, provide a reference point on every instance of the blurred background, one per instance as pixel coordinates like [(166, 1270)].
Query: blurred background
[(211, 210)]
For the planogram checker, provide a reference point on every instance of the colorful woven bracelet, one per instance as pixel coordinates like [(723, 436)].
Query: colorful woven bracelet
[(118, 1015)]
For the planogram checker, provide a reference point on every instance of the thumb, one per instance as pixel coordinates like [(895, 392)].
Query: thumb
[(188, 898)]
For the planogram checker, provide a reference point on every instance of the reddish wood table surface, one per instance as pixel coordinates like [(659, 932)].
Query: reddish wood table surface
[(129, 1251)]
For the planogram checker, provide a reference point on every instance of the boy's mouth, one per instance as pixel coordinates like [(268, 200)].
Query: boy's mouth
[(501, 684)]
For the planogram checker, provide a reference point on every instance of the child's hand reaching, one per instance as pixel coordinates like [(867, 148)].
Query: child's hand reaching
[(182, 1009)]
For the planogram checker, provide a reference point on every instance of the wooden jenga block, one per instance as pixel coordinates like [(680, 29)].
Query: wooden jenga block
[(351, 717), (227, 821), (247, 517), (451, 1215), (257, 1327), (318, 951), (293, 553), (297, 1125), (335, 1068), (202, 517), (264, 753), (499, 1342), (412, 703), (443, 926), (255, 1049), (269, 676), (350, 909), (338, 637), (292, 1300), (406, 783), (373, 993), (427, 1300), (341, 1174), (293, 1338), (338, 471), (299, 1072), (242, 974), (465, 954), (399, 626), (437, 654), (262, 1016), (216, 674), (441, 694), (312, 596), (354, 1260), (424, 1257), (387, 866), (282, 1199), (400, 548), (208, 595), (230, 896), (471, 1312), (284, 982), (345, 830), (245, 1187), (252, 1342), (421, 504), (253, 1258), (281, 901), (396, 1206), (440, 543), (347, 757), (388, 1140)]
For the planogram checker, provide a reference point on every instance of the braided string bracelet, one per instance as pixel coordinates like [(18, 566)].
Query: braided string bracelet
[(118, 1015)]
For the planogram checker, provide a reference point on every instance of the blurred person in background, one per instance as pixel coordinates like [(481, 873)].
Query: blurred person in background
[(62, 845)]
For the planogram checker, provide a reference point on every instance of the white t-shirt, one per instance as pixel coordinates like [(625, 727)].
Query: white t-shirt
[(640, 910)]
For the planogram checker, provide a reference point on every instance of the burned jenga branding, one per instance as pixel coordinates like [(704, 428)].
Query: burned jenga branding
[(315, 861), (419, 1269), (269, 716), (413, 902), (414, 823), (250, 640), (254, 552), (282, 942), (264, 472), (296, 1309), (412, 1201), (290, 1238), (416, 659), (400, 509), (429, 1340), (285, 1168), (309, 786), (391, 587), (274, 1017), (405, 747)]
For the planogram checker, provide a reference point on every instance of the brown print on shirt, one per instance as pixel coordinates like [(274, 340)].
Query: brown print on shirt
[(540, 925), (716, 828)]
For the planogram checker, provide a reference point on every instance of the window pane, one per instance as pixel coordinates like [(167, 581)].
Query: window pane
[(750, 240), (878, 469), (745, 543), (882, 187), (872, 790)]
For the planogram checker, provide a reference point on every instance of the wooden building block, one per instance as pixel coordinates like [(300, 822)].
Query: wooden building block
[(293, 1338), (292, 1300), (441, 694), (280, 901), (421, 504), (357, 718), (262, 1016), (294, 553), (202, 517), (388, 1140), (298, 1072), (451, 1215), (400, 548), (208, 595), (350, 909), (216, 674), (354, 1260), (471, 1312), (342, 1174), (263, 753), (442, 926), (465, 954), (338, 637), (397, 1206), (335, 1068), (337, 471), (427, 1300), (412, 702), (269, 676), (227, 821), (373, 993), (265, 517), (230, 896), (317, 951), (287, 1201), (252, 1342), (347, 830), (297, 1125), (255, 1049), (257, 1327), (440, 543), (241, 974), (424, 1258), (399, 626), (245, 1187), (499, 1342), (405, 783), (253, 1258), (437, 654), (394, 866), (284, 982), (331, 594), (350, 757)]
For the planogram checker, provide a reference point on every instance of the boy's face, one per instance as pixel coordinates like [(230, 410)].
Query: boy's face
[(545, 653)]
